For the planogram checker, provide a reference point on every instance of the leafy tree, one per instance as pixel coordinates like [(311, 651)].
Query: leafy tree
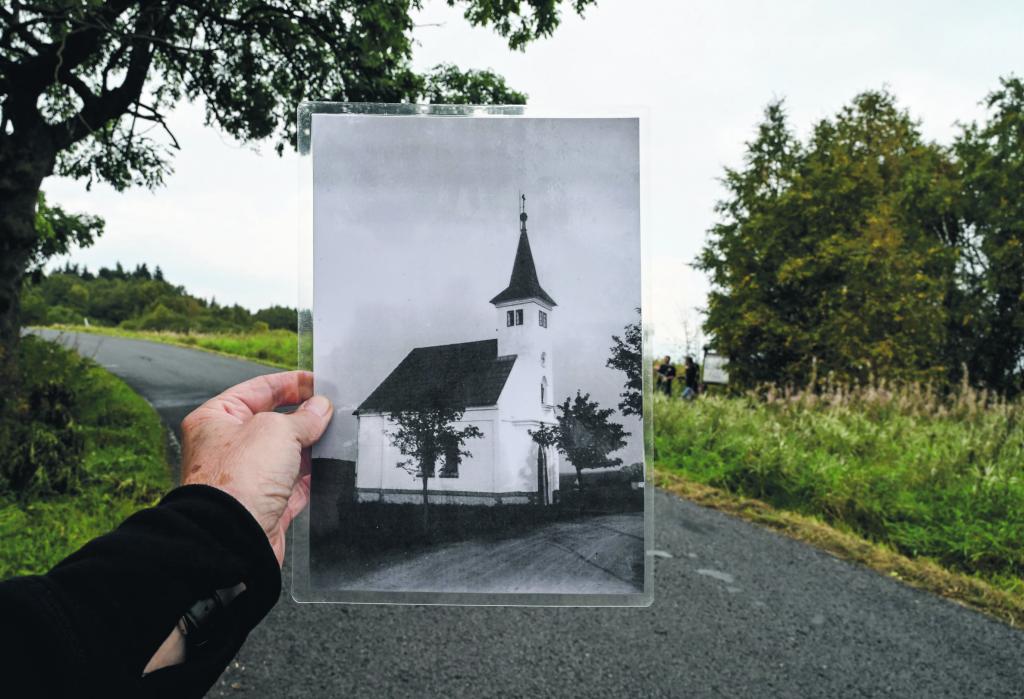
[(839, 252), (278, 317), (85, 87), (425, 436), (138, 300), (584, 435), (991, 160), (627, 357), (57, 232)]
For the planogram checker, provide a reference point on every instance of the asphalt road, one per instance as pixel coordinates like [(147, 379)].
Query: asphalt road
[(739, 611), (592, 555)]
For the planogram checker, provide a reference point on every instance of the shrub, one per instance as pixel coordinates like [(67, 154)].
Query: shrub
[(57, 315), (41, 445)]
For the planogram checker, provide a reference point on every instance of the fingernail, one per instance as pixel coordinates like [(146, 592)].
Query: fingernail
[(318, 405)]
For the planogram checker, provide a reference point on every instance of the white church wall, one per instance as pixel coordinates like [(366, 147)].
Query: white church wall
[(378, 474), (519, 459)]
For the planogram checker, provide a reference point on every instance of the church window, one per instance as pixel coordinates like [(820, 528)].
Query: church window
[(544, 391), (543, 358), (514, 317), (543, 319), (450, 469)]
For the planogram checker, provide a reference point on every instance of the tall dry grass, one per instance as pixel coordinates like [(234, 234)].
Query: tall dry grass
[(930, 473)]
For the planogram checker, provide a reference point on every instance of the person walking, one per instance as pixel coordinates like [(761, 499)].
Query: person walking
[(666, 375), (691, 385)]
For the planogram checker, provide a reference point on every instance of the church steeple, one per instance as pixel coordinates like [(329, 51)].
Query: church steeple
[(523, 284)]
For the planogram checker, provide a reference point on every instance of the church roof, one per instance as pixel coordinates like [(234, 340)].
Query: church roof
[(524, 283), (447, 376)]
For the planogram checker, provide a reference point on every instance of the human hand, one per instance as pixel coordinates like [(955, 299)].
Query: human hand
[(261, 458)]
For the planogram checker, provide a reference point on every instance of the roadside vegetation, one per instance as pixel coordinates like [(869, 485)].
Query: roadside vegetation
[(84, 452), (931, 476), (142, 304), (138, 300), (273, 347)]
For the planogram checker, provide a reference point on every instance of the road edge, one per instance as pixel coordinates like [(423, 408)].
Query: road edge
[(127, 335), (920, 573)]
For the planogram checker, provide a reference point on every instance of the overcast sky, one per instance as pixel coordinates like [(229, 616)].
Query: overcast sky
[(417, 223), (225, 224)]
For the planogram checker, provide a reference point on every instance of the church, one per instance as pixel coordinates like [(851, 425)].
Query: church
[(505, 384)]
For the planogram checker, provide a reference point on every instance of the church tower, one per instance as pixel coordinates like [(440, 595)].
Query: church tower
[(525, 315)]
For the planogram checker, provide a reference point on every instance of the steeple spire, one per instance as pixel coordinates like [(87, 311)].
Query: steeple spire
[(523, 284)]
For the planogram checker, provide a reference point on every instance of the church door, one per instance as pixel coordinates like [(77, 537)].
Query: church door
[(542, 476)]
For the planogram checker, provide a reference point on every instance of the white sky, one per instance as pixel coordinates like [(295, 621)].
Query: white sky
[(225, 225)]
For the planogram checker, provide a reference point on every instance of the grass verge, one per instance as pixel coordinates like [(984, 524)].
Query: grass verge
[(123, 469), (931, 476), (923, 574), (277, 348)]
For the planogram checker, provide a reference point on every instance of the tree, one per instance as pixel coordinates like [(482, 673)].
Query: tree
[(839, 252), (584, 435), (991, 161), (545, 437), (627, 357), (85, 86), (426, 436), (278, 317), (57, 231)]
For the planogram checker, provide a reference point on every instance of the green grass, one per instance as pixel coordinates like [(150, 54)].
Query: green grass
[(930, 477), (273, 347), (124, 470)]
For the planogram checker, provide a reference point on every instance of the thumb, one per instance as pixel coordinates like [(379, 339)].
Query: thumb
[(310, 420)]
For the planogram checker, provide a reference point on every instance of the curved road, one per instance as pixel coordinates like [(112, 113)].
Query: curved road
[(739, 611)]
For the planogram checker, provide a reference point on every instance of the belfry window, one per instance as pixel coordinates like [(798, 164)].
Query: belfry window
[(514, 317), (543, 319), (519, 316)]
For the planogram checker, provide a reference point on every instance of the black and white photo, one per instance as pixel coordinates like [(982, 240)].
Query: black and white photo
[(476, 298)]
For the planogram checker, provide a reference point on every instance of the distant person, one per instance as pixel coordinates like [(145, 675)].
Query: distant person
[(666, 375), (161, 605), (691, 384)]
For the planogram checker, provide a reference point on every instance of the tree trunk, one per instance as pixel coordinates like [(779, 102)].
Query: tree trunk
[(542, 491), (579, 486), (23, 165), (426, 509)]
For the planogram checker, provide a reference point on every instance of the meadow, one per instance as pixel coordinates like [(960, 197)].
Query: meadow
[(929, 475)]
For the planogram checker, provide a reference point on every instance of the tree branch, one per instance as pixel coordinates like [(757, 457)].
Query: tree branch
[(111, 104), (34, 75)]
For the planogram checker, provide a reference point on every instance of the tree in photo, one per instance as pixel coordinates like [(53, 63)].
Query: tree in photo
[(427, 437), (86, 87), (627, 357), (546, 438), (585, 435)]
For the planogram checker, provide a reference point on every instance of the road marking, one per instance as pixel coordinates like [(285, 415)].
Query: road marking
[(716, 574)]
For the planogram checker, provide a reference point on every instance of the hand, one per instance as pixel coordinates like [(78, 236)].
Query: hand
[(260, 458)]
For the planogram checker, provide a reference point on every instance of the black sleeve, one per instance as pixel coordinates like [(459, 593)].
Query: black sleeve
[(90, 625)]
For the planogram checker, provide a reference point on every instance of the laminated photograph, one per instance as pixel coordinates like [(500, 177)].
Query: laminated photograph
[(473, 310)]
